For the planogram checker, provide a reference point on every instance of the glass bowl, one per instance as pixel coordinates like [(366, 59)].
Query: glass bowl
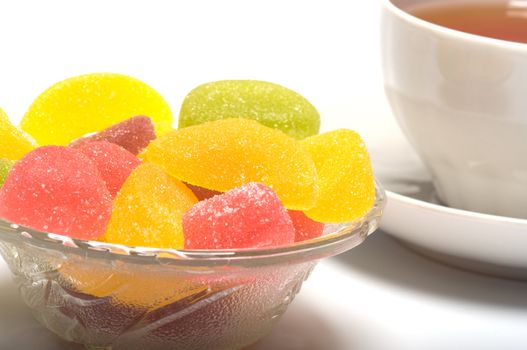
[(109, 296)]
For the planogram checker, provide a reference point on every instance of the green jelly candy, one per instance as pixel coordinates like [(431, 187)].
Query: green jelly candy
[(5, 166), (270, 104)]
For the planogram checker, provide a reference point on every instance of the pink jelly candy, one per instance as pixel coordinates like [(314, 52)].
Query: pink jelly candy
[(305, 228), (114, 163), (250, 216), (56, 189), (133, 134)]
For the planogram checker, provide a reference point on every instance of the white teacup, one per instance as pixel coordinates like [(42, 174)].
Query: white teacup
[(461, 99)]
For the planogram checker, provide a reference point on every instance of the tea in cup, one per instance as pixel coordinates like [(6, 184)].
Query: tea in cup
[(455, 75)]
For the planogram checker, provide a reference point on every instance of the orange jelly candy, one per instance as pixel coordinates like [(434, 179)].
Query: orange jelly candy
[(129, 284), (347, 188), (224, 154), (148, 210)]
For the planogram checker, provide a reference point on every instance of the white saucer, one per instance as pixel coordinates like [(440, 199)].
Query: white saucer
[(484, 243)]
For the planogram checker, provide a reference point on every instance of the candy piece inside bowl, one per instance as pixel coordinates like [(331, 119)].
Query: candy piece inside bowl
[(110, 296)]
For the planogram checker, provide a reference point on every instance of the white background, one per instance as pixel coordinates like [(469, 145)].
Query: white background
[(377, 296), (322, 49)]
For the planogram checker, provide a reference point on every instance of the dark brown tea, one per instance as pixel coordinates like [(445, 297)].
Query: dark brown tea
[(499, 19)]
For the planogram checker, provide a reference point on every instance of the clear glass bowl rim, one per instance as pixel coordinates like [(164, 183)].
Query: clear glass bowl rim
[(341, 238)]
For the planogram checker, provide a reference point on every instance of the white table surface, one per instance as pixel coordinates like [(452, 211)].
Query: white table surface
[(380, 295)]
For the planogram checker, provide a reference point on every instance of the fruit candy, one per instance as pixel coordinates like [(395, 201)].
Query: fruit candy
[(114, 163), (148, 210), (13, 143), (228, 153), (250, 216), (5, 166), (56, 189), (272, 105), (89, 103), (305, 228), (347, 189), (128, 285), (202, 193), (133, 135)]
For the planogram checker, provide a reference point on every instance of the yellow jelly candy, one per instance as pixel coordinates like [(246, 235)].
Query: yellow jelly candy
[(13, 143), (224, 154), (148, 210), (88, 103), (129, 284), (347, 189)]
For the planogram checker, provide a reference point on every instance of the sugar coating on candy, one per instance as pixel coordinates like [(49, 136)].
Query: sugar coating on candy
[(228, 153), (133, 134), (305, 228), (114, 163), (14, 144), (347, 188), (89, 103), (250, 216), (5, 166), (59, 190), (148, 210), (272, 105)]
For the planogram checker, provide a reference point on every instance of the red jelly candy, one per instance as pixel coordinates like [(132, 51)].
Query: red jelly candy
[(56, 189), (114, 163), (202, 193), (305, 228), (133, 134), (250, 216)]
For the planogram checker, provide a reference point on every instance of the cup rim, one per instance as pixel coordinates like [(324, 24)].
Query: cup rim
[(338, 238), (452, 33)]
